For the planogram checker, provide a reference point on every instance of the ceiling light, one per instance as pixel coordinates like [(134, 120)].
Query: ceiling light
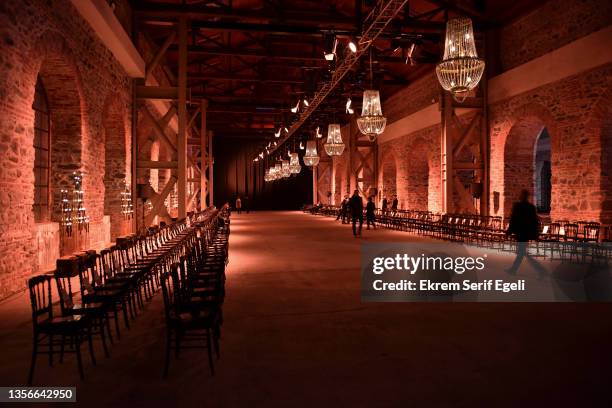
[(296, 108), (318, 133), (349, 110), (301, 146), (306, 102), (352, 46), (286, 130), (277, 133), (331, 42)]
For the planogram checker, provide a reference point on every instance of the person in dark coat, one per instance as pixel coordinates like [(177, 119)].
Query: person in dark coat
[(394, 205), (524, 225), (356, 208), (342, 209), (246, 204), (384, 205), (370, 217)]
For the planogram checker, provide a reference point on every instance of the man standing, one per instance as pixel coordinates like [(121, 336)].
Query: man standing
[(384, 205), (394, 205), (370, 217), (524, 226), (341, 210), (356, 207)]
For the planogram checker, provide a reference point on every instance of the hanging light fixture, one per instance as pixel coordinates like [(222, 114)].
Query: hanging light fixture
[(267, 175), (334, 145), (461, 69), (372, 122), (285, 170), (278, 171), (294, 164), (311, 158)]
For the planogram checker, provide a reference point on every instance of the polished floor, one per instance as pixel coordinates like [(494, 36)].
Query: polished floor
[(297, 334)]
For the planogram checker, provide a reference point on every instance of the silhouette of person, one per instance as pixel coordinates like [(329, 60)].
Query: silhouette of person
[(384, 205), (370, 216), (238, 205), (246, 204), (524, 225), (356, 207), (394, 205), (342, 209)]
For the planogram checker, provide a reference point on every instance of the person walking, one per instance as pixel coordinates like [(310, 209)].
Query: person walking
[(238, 205), (524, 225), (341, 210), (356, 208), (370, 216)]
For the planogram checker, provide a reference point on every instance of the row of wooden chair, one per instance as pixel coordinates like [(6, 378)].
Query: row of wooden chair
[(574, 241), (194, 290), (112, 283)]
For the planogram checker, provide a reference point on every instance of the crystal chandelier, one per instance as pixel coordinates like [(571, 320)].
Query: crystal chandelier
[(311, 158), (334, 145), (372, 122), (460, 69), (294, 164), (267, 175), (285, 170), (278, 171)]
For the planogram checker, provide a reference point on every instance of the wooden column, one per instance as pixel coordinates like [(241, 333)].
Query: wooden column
[(211, 161), (446, 154), (182, 118), (204, 155), (315, 187)]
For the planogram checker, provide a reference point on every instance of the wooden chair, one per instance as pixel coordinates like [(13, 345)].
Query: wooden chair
[(47, 328)]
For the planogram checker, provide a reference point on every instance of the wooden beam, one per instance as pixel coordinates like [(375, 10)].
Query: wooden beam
[(158, 200), (192, 119), (150, 164), (465, 135), (159, 131), (182, 117), (210, 168), (157, 92), (203, 153), (159, 54)]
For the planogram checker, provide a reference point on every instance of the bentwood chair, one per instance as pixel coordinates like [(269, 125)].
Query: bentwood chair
[(185, 328), (47, 328)]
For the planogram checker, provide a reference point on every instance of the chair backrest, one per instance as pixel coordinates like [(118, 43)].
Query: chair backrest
[(64, 289), (591, 231), (40, 298), (571, 231), (170, 290)]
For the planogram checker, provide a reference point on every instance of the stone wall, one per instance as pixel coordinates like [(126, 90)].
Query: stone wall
[(51, 39)]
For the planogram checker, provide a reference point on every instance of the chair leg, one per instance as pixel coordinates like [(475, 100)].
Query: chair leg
[(108, 328), (116, 315), (211, 363), (50, 350), (102, 328), (77, 346), (62, 347), (168, 347), (33, 363), (126, 319), (91, 349)]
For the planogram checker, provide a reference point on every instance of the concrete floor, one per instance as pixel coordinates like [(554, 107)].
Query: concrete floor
[(297, 334)]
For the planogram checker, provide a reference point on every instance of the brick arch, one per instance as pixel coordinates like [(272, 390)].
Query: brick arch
[(116, 172), (526, 125), (388, 176), (58, 72)]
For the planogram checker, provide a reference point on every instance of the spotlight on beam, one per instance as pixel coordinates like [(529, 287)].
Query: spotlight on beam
[(352, 46), (296, 108), (349, 110), (331, 42), (409, 59), (286, 130), (301, 145), (318, 133), (277, 133), (306, 102)]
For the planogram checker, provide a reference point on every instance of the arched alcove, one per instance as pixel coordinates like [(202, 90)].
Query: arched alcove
[(520, 159)]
